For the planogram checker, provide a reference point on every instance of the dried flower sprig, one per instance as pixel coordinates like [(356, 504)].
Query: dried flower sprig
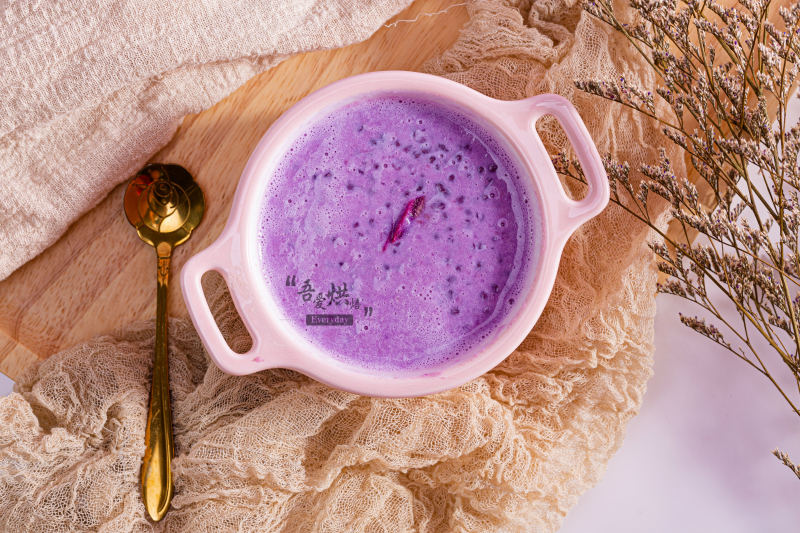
[(724, 80), (787, 461)]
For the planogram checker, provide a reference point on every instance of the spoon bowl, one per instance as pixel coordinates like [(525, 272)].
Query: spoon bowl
[(164, 204)]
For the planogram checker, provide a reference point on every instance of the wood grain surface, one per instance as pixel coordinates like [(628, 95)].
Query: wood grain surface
[(99, 276)]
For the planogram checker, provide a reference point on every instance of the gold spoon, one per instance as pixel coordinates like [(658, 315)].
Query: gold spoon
[(164, 204)]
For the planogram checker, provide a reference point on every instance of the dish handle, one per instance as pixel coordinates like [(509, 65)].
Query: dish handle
[(217, 257), (574, 212)]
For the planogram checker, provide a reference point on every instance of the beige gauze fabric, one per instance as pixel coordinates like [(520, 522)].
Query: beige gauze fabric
[(276, 451)]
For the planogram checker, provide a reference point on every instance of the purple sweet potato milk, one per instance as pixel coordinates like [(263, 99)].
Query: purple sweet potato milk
[(396, 234)]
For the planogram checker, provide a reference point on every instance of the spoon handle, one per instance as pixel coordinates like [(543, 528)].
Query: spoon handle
[(156, 468)]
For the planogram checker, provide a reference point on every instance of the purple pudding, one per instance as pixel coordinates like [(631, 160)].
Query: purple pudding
[(396, 234)]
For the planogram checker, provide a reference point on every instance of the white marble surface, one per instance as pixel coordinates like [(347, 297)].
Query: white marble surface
[(698, 457), (5, 385)]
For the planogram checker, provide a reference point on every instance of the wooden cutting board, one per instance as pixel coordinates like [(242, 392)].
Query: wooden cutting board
[(100, 276)]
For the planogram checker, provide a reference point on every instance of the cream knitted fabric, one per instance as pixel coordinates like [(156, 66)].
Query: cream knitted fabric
[(276, 451), (90, 90)]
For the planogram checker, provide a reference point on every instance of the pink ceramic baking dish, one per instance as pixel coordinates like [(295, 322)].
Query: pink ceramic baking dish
[(235, 253)]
